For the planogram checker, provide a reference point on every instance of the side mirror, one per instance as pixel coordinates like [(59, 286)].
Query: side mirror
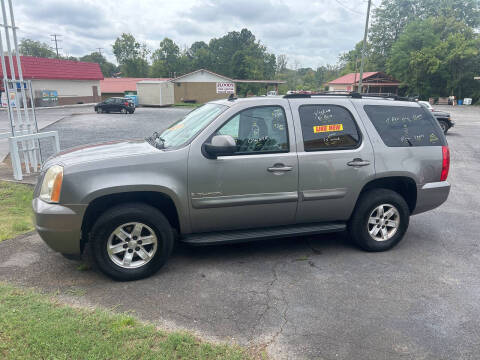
[(220, 145)]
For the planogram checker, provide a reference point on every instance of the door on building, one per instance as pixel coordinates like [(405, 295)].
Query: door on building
[(95, 94)]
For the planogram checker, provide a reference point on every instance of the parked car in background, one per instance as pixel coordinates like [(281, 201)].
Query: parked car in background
[(246, 169), (442, 117), (116, 104)]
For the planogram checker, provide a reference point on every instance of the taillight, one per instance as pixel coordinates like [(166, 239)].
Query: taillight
[(445, 163), (126, 103)]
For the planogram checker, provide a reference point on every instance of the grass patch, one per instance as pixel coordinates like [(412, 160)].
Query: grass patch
[(15, 209), (36, 326), (182, 104)]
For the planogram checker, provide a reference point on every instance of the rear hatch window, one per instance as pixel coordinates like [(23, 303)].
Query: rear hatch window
[(403, 126)]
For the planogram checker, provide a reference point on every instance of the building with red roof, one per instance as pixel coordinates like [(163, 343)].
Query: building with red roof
[(111, 87), (72, 82), (372, 82)]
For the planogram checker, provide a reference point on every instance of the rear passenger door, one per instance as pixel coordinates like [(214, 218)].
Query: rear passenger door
[(335, 158)]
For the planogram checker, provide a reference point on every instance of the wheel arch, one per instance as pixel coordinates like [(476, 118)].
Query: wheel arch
[(403, 185), (159, 200)]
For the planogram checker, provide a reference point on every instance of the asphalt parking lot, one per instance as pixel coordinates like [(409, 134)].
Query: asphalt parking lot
[(301, 298), (87, 127)]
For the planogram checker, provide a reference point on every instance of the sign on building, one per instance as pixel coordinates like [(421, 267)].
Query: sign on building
[(225, 88)]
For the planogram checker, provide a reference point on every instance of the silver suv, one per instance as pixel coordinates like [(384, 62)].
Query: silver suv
[(246, 169)]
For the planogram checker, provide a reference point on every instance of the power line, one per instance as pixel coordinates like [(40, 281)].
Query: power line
[(56, 40), (347, 8)]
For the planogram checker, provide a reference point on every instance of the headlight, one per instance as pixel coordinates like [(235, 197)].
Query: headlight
[(52, 184)]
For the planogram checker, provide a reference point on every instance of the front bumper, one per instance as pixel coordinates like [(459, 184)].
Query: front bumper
[(431, 195), (60, 226)]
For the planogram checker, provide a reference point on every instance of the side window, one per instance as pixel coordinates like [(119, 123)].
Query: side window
[(403, 126), (258, 130), (328, 127), (109, 101)]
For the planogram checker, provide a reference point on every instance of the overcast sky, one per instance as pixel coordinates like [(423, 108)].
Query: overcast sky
[(311, 33)]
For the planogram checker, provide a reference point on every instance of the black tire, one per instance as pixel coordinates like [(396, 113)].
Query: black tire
[(72, 257), (123, 111), (358, 224), (127, 213), (444, 126), (99, 110)]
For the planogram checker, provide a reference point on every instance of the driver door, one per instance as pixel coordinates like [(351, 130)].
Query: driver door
[(107, 104), (254, 187)]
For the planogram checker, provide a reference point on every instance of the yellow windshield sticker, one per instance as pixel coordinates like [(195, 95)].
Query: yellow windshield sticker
[(178, 126), (327, 128)]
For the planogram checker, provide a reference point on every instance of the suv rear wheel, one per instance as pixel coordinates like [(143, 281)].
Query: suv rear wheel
[(380, 220), (131, 241), (443, 125)]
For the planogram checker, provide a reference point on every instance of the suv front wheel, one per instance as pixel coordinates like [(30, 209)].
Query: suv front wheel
[(131, 241), (380, 220)]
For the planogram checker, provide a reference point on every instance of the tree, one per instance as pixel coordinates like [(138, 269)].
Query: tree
[(392, 17), (108, 69), (437, 57), (282, 62), (131, 55), (28, 47), (166, 59)]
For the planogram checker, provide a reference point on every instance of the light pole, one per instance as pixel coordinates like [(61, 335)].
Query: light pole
[(364, 47)]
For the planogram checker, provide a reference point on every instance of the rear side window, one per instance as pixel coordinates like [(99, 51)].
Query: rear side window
[(328, 127), (403, 126)]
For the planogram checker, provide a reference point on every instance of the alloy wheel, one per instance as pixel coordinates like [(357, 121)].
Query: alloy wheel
[(132, 245), (383, 222)]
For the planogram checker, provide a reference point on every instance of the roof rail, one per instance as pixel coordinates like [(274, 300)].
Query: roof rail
[(323, 93), (352, 94)]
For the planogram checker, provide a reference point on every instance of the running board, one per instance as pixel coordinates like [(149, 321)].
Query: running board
[(234, 236)]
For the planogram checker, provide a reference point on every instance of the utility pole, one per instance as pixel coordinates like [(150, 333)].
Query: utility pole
[(100, 50), (364, 47), (54, 39)]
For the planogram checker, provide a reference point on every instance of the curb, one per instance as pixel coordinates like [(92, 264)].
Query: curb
[(55, 107)]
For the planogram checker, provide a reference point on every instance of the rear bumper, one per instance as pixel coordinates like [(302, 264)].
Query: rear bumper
[(431, 195), (60, 226)]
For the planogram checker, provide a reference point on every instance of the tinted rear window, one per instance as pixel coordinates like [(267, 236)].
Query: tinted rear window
[(403, 126), (328, 127)]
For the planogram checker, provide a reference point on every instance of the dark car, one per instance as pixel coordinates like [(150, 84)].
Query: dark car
[(116, 104), (442, 117)]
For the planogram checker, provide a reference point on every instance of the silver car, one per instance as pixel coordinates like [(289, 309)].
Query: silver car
[(246, 169)]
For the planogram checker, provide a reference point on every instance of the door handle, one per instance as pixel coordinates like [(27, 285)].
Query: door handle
[(280, 167), (358, 162)]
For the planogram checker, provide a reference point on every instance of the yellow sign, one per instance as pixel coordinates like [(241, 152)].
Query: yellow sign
[(327, 128)]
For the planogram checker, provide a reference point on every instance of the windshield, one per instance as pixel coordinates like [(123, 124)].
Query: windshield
[(185, 129)]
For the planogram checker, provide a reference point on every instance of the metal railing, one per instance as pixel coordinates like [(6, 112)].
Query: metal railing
[(24, 137)]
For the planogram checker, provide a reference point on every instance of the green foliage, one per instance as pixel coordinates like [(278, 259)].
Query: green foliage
[(28, 47), (132, 56), (392, 17), (15, 209), (436, 57), (108, 69), (36, 326), (166, 59)]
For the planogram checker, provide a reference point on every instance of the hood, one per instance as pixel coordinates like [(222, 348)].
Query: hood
[(102, 151)]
